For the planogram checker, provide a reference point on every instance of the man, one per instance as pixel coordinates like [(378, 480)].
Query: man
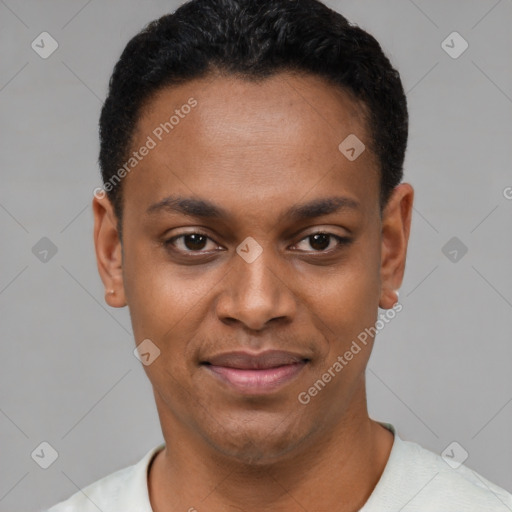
[(254, 221)]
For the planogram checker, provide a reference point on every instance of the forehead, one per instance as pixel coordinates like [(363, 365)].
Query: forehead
[(246, 142)]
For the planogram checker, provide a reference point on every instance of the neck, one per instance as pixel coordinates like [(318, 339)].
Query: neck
[(336, 470)]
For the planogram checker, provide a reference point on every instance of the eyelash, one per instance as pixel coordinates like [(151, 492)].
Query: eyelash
[(341, 242)]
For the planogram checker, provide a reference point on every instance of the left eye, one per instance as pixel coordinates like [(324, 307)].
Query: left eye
[(321, 242)]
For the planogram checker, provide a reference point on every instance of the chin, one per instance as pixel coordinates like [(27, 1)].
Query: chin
[(258, 443)]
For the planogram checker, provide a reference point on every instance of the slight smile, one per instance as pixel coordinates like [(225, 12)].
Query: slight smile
[(255, 374)]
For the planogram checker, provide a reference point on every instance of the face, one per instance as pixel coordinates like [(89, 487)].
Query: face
[(253, 255)]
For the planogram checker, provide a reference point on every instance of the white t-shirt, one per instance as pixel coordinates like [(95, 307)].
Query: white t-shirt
[(414, 480)]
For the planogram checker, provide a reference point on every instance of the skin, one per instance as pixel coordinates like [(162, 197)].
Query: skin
[(257, 149)]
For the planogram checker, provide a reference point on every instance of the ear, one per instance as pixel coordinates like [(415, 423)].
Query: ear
[(108, 250), (396, 225)]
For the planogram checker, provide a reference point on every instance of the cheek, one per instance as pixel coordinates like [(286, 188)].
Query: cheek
[(348, 300), (167, 303), (153, 291)]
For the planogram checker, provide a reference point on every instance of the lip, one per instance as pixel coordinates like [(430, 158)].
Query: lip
[(256, 373)]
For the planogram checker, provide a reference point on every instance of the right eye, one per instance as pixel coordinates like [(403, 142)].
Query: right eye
[(192, 242)]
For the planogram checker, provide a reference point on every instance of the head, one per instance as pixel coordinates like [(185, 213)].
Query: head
[(252, 155)]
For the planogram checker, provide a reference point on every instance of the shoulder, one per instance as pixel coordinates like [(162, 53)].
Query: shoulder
[(417, 479), (464, 486), (125, 488)]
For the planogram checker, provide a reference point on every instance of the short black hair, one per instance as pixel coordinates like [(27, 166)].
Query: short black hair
[(254, 39)]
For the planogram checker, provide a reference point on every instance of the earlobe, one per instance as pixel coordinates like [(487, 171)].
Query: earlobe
[(388, 299), (109, 295), (108, 251), (396, 223)]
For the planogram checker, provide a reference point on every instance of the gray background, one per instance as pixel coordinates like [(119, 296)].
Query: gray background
[(440, 371)]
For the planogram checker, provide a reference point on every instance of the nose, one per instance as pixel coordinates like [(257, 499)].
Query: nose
[(256, 293)]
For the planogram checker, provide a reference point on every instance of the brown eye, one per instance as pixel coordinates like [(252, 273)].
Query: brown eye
[(322, 242), (190, 242), (319, 241), (194, 242)]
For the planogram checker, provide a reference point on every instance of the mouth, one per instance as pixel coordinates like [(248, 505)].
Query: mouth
[(255, 373)]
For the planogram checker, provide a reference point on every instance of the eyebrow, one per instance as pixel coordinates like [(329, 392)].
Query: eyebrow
[(203, 208)]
